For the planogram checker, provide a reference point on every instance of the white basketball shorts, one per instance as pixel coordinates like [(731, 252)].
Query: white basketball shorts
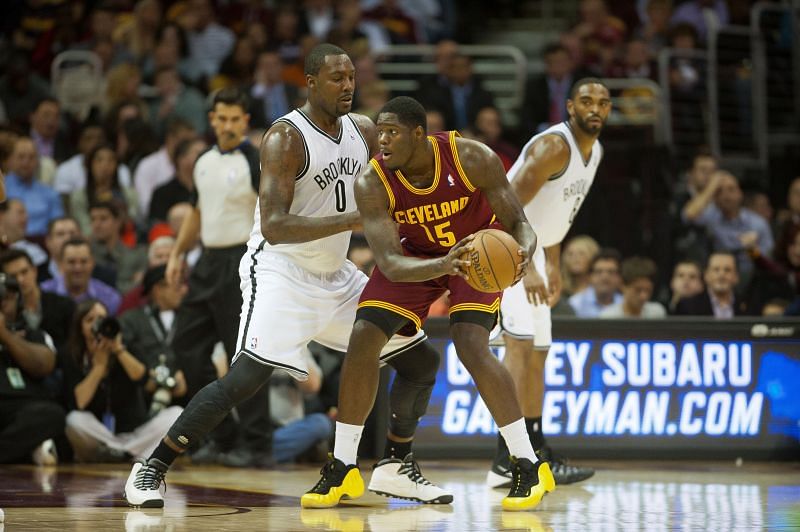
[(521, 319), (286, 306)]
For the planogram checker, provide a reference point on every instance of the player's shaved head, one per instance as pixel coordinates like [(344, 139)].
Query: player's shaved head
[(316, 57), (408, 110)]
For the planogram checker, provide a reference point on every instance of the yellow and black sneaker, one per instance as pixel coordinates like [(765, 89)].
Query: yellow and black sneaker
[(530, 482), (338, 482)]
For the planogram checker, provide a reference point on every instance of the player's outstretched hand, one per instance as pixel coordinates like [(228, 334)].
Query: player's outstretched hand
[(456, 261), (535, 288)]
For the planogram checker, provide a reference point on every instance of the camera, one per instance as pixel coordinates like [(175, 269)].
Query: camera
[(107, 327), (165, 383), (8, 283)]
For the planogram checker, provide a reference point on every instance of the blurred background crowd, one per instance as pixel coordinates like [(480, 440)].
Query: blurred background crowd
[(103, 113)]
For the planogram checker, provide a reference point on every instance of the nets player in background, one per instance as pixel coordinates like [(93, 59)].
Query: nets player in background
[(551, 179), (298, 286), (421, 200)]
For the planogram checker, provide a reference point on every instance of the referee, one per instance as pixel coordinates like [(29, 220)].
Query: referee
[(226, 179)]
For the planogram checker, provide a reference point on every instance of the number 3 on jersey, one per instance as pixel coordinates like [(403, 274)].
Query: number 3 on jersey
[(446, 238), (341, 196)]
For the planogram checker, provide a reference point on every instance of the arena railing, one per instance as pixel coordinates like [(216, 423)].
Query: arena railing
[(503, 69), (636, 102)]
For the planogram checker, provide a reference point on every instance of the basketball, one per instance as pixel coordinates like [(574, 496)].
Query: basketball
[(493, 261)]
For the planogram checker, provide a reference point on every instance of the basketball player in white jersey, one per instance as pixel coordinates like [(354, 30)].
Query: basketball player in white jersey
[(551, 177), (298, 286)]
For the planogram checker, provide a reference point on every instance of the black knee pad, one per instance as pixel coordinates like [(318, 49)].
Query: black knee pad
[(408, 402), (412, 387)]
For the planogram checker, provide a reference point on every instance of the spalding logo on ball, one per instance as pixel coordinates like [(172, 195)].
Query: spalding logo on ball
[(493, 261)]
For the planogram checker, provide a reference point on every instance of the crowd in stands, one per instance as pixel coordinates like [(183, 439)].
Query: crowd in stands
[(96, 196)]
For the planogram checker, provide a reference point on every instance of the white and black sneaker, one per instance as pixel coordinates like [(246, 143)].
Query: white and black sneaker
[(500, 476), (143, 488), (563, 471), (402, 479)]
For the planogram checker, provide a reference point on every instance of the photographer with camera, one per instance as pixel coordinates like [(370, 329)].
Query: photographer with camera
[(148, 332), (29, 420), (104, 385)]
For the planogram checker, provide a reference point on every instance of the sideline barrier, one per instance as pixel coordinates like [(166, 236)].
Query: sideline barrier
[(676, 388)]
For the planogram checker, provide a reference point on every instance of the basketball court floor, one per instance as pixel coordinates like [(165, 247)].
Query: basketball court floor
[(622, 496)]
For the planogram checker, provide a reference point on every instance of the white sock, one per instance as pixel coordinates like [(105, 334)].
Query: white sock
[(345, 448), (517, 440)]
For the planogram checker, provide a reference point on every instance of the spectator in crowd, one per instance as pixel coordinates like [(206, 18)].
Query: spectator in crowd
[(41, 201), (702, 15), (285, 35), (102, 184), (76, 282), (8, 137), (638, 282), (172, 50), (604, 284), (296, 430), (488, 128), (636, 62), (789, 218), (135, 141), (40, 309), (59, 231), (176, 100), (545, 100), (655, 25), (45, 121), (691, 241), (270, 97), (355, 34), (159, 167), (435, 120), (318, 17), (401, 27), (157, 255), (774, 278), (687, 281), (601, 34), (138, 33), (122, 87), (104, 388), (719, 298), (758, 202), (148, 330), (209, 42), (29, 419), (21, 89), (237, 68), (128, 263), (71, 174), (727, 221), (459, 95), (576, 262), (181, 187), (14, 221)]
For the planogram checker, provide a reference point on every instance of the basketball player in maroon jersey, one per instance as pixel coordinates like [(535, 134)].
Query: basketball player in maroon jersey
[(421, 200)]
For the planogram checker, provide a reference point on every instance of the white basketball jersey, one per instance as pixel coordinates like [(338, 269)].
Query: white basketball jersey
[(553, 209), (323, 188)]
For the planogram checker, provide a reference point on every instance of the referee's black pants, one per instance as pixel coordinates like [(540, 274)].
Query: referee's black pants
[(208, 314)]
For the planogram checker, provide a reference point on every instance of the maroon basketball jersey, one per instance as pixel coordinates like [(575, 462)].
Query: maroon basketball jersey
[(434, 219)]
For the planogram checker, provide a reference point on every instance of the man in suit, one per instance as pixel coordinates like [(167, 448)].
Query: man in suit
[(270, 97), (719, 299), (545, 101), (458, 93)]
